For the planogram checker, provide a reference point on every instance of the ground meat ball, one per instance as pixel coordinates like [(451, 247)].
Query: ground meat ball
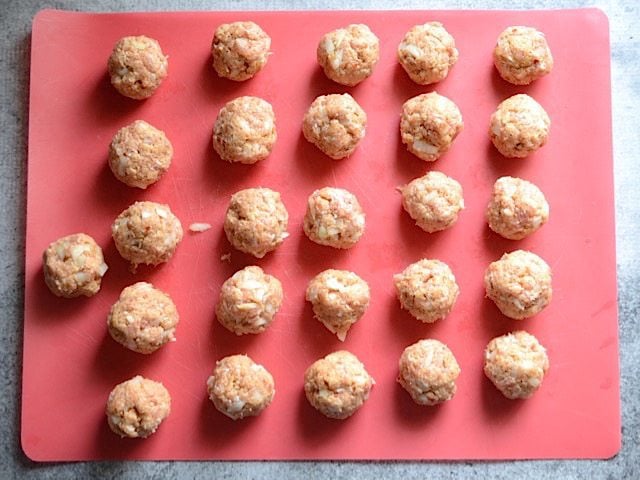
[(143, 319), (522, 55), (517, 208), (337, 385), (137, 67), (240, 388), (428, 371), (147, 232), (519, 284), (139, 154), (519, 126), (427, 53), (256, 221), (429, 124), (245, 130), (433, 201), (516, 364), (334, 218), (335, 124), (240, 50), (427, 289), (339, 299), (137, 407), (249, 301), (348, 55), (74, 266)]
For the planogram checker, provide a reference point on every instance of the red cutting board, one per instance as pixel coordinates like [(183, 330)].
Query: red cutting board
[(71, 363)]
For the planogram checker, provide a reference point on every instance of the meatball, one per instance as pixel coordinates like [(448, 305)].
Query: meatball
[(522, 55), (517, 208), (519, 284), (147, 232), (143, 319), (334, 218), (429, 124), (240, 388), (73, 266), (348, 55), (245, 130), (249, 301), (433, 201), (140, 154), (516, 364), (339, 299), (427, 289), (428, 371), (240, 50), (335, 124), (337, 385), (256, 221), (427, 53), (137, 407), (519, 126), (137, 67)]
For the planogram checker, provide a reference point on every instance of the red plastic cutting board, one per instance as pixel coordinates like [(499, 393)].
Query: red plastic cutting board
[(71, 363)]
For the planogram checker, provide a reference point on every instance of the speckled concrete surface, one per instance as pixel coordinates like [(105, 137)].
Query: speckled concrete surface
[(15, 20)]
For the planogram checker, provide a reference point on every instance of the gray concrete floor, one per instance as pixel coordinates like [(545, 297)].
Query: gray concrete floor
[(15, 20)]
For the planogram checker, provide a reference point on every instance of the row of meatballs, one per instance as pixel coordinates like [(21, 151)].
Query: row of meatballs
[(137, 65), (245, 132), (336, 385)]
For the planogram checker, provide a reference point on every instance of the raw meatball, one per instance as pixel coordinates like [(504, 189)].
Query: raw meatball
[(147, 232), (517, 208), (256, 221), (240, 50), (140, 154), (348, 55), (137, 66), (519, 126), (516, 363), (427, 289), (427, 53), (245, 130), (339, 299), (74, 266), (240, 388), (522, 55), (137, 407), (334, 218), (433, 201), (337, 385), (519, 284), (429, 124), (428, 371), (143, 319), (335, 124), (249, 301)]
